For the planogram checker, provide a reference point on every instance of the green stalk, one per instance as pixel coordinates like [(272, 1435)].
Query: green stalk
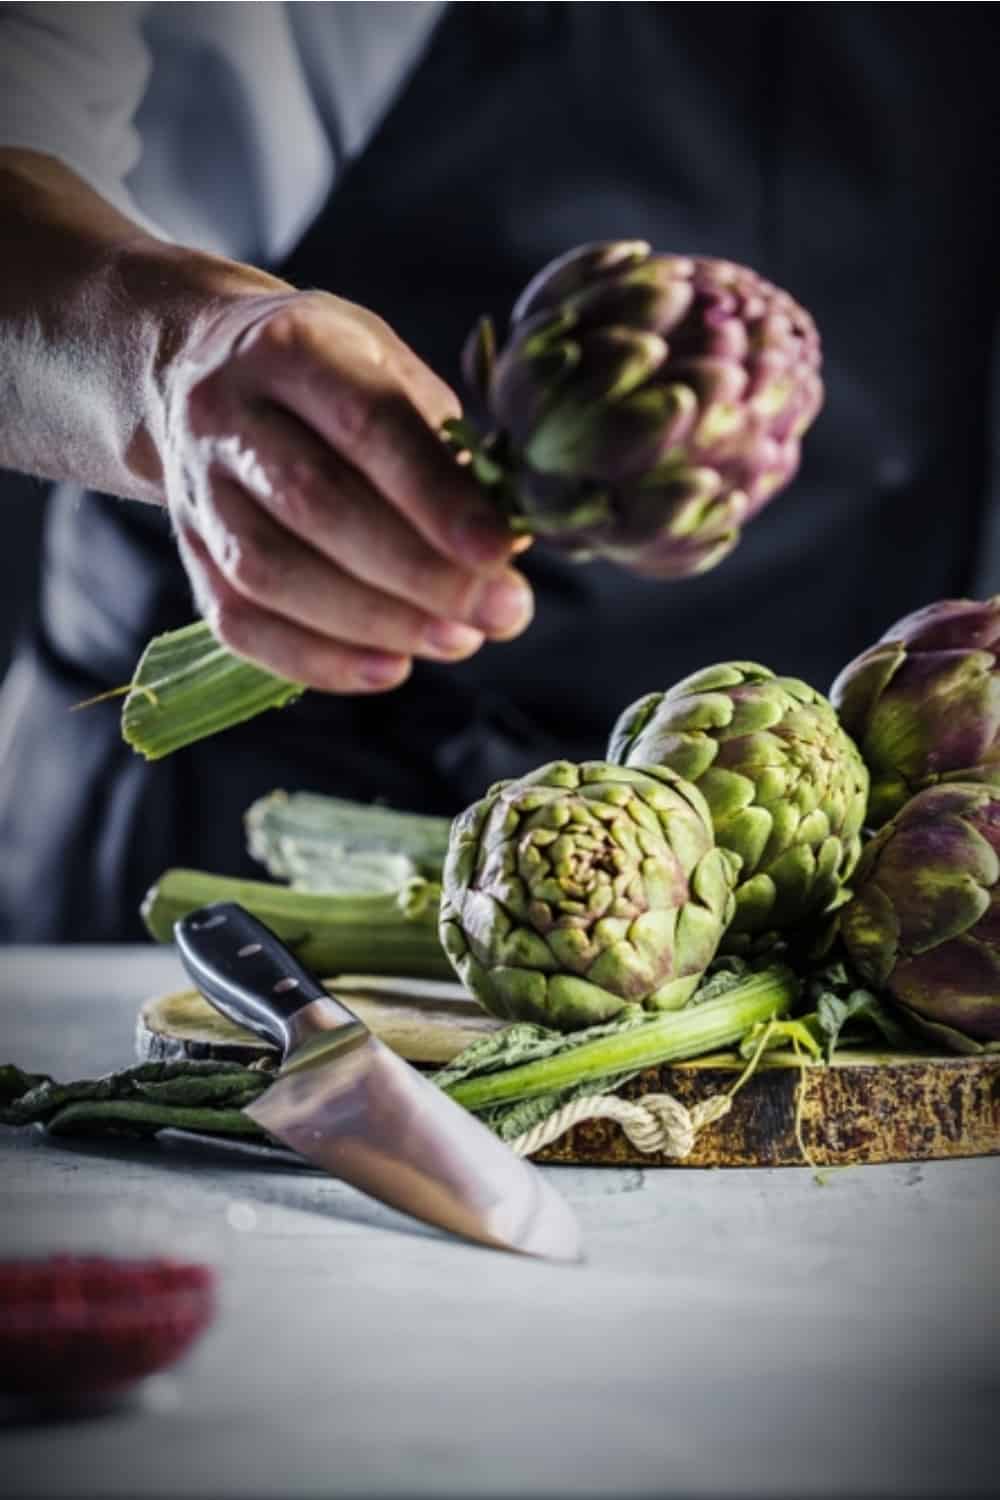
[(668, 1038), (187, 687), (301, 833), (391, 932)]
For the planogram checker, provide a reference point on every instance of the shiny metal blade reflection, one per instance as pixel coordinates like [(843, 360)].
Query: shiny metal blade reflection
[(355, 1108)]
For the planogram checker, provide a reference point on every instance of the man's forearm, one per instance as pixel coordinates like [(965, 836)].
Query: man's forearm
[(92, 312)]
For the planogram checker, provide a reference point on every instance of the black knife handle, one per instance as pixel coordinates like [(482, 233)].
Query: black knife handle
[(245, 970)]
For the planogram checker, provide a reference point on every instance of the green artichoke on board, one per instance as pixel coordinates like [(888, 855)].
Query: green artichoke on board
[(579, 889), (923, 703), (785, 785), (643, 406), (924, 921)]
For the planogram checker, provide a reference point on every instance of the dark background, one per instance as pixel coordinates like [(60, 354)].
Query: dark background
[(22, 506)]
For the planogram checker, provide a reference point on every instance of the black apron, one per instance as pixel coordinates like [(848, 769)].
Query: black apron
[(846, 152)]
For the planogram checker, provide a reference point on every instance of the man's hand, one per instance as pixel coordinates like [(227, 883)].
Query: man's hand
[(328, 533)]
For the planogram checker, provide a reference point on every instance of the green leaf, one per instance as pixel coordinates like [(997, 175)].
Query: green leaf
[(847, 1012)]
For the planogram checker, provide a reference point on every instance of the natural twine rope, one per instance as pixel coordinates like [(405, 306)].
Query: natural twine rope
[(659, 1123)]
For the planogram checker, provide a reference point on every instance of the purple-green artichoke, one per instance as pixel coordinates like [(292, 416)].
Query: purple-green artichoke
[(644, 406), (923, 703), (785, 785), (924, 923), (579, 889)]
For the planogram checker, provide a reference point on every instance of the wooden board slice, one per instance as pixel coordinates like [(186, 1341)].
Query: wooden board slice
[(862, 1109), (425, 1020), (865, 1108)]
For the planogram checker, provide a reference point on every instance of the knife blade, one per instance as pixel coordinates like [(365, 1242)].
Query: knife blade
[(346, 1102)]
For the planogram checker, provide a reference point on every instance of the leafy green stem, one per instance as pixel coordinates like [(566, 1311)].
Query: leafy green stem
[(685, 1033)]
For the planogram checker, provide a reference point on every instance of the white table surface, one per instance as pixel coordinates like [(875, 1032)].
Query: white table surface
[(729, 1334)]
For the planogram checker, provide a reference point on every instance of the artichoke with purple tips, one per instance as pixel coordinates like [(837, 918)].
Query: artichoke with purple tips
[(579, 889), (644, 407), (786, 786), (923, 703), (924, 922)]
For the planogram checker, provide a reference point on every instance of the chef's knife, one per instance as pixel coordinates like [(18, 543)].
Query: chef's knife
[(346, 1102)]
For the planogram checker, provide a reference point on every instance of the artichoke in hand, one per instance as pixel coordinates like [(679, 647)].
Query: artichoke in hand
[(578, 889), (643, 406), (923, 703), (924, 922), (786, 786)]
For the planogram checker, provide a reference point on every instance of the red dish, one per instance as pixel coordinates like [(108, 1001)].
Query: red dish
[(79, 1329)]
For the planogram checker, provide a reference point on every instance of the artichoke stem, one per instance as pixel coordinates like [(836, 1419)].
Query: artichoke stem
[(391, 932), (669, 1038)]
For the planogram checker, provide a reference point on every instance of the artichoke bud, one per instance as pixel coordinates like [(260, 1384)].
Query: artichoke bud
[(786, 787), (924, 919), (579, 889), (618, 358), (923, 703)]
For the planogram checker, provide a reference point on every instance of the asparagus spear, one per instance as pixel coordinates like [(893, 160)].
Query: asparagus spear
[(389, 932)]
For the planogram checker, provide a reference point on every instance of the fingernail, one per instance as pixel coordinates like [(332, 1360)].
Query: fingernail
[(504, 605), (449, 638), (479, 536), (380, 671)]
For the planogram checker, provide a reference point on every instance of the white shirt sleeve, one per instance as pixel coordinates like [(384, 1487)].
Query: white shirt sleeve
[(216, 125), (71, 79)]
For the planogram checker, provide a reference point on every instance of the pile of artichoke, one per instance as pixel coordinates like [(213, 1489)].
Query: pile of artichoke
[(728, 813), (735, 812), (641, 408), (923, 704)]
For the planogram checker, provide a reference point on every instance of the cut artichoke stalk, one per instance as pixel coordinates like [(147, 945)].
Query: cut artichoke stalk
[(391, 932), (329, 843), (668, 1038), (187, 686)]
